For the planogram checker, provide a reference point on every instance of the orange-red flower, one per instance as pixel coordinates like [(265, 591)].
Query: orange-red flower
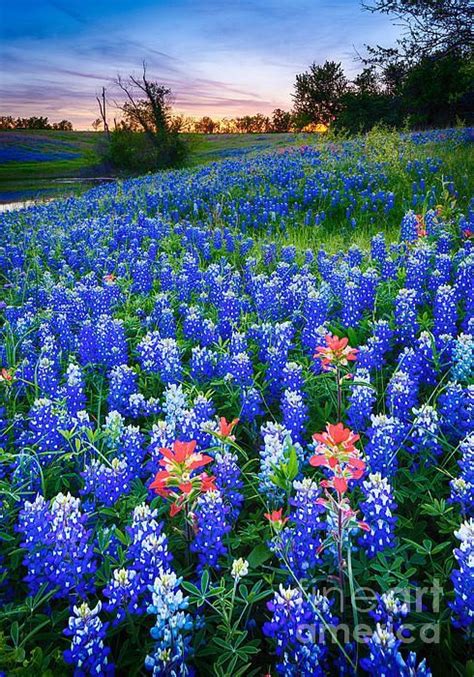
[(336, 353), (226, 427), (6, 375), (110, 278), (276, 519), (336, 450), (420, 226), (178, 475), (183, 457)]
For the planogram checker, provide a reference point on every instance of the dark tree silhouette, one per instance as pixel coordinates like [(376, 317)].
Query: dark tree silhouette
[(318, 93), (429, 27)]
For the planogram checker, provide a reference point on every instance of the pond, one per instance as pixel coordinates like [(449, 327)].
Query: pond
[(24, 193)]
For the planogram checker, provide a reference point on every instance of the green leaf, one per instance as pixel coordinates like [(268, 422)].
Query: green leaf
[(191, 588), (204, 581), (259, 555), (15, 633), (293, 466)]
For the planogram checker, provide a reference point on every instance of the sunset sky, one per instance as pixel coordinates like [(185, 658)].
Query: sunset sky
[(220, 58)]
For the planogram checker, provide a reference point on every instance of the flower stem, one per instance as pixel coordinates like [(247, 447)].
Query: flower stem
[(339, 394)]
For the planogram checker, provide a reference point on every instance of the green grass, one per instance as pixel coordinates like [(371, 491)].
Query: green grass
[(18, 177)]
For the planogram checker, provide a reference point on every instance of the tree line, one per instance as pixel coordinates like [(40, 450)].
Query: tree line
[(279, 121), (33, 122)]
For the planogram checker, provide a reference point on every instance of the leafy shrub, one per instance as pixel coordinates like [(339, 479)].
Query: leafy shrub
[(136, 152)]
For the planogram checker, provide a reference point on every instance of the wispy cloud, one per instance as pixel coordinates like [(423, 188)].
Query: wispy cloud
[(221, 58)]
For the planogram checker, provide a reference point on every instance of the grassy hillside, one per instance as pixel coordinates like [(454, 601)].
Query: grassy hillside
[(34, 163)]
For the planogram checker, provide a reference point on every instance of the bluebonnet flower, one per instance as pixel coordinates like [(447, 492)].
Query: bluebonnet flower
[(463, 578), (192, 323), (251, 405), (202, 364), (443, 269), (209, 333), (59, 547), (103, 342), (462, 487), (409, 227), (160, 356), (445, 311), (377, 509), (46, 375), (351, 304), (46, 420), (299, 542), (162, 317), (238, 343), (288, 253), (88, 654), (295, 413), (275, 361), (389, 610), (362, 398), (292, 376), (173, 629), (122, 384), (385, 659), (128, 590), (162, 435), (107, 482), (452, 409), (237, 369), (148, 551), (276, 445), (228, 476), (425, 359), (74, 390), (175, 404), (141, 273), (463, 357), (385, 436), (401, 395), (212, 520), (296, 626), (417, 270), (378, 248), (425, 433), (315, 313), (406, 316), (123, 594), (372, 355), (368, 289)]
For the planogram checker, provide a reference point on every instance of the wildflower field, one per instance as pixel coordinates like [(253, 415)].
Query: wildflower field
[(236, 418)]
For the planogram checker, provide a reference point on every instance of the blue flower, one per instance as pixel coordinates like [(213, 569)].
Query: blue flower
[(296, 626), (378, 508), (212, 518), (59, 547), (173, 629), (88, 654), (462, 487), (463, 578)]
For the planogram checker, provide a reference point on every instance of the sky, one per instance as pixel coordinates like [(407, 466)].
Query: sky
[(219, 57)]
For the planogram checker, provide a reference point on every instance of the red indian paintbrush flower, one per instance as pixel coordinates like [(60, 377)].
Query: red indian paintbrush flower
[(336, 352), (420, 225), (276, 519), (6, 375), (179, 464), (226, 427), (336, 450)]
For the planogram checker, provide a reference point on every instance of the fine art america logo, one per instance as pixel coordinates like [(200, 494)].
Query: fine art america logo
[(398, 603)]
